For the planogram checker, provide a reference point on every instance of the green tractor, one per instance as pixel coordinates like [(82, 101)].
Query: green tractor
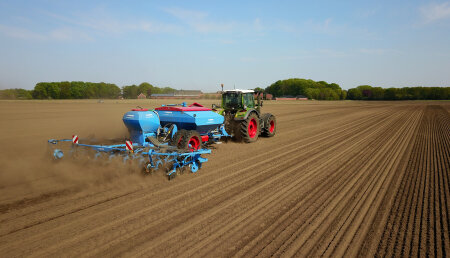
[(243, 118)]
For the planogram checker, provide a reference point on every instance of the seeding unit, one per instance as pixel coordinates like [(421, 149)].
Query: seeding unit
[(176, 135)]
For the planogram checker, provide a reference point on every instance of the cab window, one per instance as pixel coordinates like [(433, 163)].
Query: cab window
[(249, 100), (232, 100)]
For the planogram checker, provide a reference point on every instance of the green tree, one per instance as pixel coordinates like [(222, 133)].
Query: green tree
[(130, 92), (77, 90), (40, 91), (65, 92), (145, 88), (354, 94), (377, 93), (343, 94)]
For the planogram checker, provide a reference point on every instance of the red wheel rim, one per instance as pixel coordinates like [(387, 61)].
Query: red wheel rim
[(252, 128), (194, 143), (272, 126)]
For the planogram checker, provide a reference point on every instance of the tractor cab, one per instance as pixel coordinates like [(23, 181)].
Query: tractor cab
[(238, 99)]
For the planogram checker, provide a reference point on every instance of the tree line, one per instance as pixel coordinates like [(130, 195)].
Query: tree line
[(82, 90), (319, 90), (132, 91), (311, 89), (322, 90), (75, 90), (367, 92)]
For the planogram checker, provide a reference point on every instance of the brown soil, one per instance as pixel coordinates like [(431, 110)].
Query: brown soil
[(338, 179)]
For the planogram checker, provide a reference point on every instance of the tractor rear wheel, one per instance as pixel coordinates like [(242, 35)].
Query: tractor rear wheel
[(270, 125), (250, 128), (191, 141)]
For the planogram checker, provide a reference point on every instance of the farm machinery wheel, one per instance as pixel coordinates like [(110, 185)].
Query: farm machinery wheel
[(191, 141), (177, 138), (148, 170), (270, 125), (250, 128)]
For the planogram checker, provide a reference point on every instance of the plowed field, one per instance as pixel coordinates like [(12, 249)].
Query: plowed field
[(338, 179)]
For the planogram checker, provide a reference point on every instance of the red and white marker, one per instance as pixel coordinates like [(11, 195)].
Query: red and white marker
[(75, 139), (129, 145)]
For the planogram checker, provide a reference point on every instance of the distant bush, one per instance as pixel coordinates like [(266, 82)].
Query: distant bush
[(15, 94)]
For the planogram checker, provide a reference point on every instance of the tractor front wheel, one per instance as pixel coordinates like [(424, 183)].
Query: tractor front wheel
[(250, 128)]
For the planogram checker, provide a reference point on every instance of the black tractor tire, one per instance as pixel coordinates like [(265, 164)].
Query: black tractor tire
[(235, 130), (230, 124), (270, 125), (250, 128), (177, 138), (229, 127), (191, 141)]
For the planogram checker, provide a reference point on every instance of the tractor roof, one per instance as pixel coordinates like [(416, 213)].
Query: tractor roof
[(242, 91)]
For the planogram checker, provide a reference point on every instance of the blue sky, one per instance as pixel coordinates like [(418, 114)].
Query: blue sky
[(201, 44)]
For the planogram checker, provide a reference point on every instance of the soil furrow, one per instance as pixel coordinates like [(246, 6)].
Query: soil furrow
[(366, 191), (424, 235), (359, 226)]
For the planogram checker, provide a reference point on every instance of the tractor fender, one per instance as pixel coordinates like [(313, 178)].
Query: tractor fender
[(250, 111)]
